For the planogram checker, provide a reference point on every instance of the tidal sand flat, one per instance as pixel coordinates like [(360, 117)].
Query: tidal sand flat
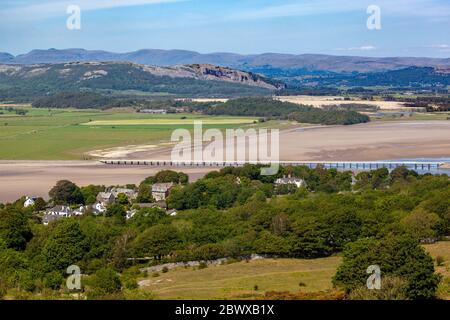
[(387, 140)]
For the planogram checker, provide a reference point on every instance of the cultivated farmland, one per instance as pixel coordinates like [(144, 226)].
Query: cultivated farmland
[(69, 134)]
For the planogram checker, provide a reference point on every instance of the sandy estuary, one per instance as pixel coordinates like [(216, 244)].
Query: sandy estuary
[(372, 141), (388, 140)]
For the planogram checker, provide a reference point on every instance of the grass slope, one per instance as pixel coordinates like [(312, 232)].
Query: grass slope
[(238, 280)]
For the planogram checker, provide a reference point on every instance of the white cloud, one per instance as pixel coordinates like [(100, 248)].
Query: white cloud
[(439, 46), (443, 48), (429, 8), (361, 48), (48, 9), (304, 8)]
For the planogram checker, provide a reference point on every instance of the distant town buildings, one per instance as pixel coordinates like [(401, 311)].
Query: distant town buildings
[(153, 111)]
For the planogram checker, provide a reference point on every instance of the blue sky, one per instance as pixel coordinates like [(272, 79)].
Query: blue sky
[(408, 27)]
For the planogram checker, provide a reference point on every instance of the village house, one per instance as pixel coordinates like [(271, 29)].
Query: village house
[(56, 213), (79, 211), (161, 190), (29, 201), (130, 193), (289, 180), (60, 211), (98, 208), (106, 198)]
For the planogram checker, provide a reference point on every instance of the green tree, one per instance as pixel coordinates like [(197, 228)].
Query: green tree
[(15, 230), (40, 204), (399, 256), (116, 210), (90, 193), (122, 199), (156, 241), (145, 194), (66, 192), (65, 245), (421, 224)]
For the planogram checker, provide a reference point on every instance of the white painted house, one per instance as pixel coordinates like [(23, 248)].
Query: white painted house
[(98, 208), (29, 201), (61, 211)]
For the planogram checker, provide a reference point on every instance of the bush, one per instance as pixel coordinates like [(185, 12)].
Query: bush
[(392, 288), (202, 265), (440, 261), (104, 283), (53, 280)]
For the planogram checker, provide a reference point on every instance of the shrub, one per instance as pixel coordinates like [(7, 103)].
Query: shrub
[(440, 261)]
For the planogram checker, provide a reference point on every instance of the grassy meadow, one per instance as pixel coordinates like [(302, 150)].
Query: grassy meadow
[(239, 280), (67, 134)]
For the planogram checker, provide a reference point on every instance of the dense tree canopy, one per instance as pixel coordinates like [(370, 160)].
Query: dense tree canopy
[(379, 218)]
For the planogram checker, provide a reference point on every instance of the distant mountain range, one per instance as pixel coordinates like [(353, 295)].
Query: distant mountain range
[(267, 61)]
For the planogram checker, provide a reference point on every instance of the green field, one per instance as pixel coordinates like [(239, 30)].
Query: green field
[(171, 121), (65, 134), (238, 280)]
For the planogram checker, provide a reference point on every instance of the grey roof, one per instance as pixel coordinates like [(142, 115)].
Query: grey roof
[(105, 195), (60, 208), (162, 187)]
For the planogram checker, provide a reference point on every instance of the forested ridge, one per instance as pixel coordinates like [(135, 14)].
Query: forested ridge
[(268, 108)]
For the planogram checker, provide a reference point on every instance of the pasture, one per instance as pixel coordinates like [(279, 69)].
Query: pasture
[(68, 134), (172, 121), (239, 280)]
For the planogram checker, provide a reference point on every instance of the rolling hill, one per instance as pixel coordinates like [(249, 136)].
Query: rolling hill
[(185, 80)]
